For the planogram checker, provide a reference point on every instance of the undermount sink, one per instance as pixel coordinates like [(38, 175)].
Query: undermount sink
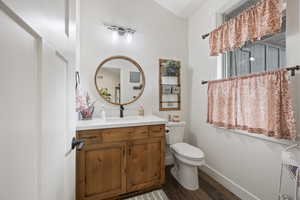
[(117, 122), (119, 119)]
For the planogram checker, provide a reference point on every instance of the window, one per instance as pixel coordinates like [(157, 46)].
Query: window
[(259, 56)]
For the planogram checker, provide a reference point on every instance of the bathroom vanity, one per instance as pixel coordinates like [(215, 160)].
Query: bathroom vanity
[(120, 156)]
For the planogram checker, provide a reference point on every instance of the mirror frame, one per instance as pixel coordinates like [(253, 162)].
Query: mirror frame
[(129, 60)]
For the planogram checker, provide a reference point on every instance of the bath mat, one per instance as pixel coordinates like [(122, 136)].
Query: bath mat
[(154, 195)]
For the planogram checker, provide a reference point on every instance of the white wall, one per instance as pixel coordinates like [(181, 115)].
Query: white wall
[(246, 165), (160, 34)]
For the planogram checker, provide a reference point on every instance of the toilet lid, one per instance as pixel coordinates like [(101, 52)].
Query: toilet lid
[(188, 151)]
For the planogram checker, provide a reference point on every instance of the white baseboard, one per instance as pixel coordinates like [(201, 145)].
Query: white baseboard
[(229, 184)]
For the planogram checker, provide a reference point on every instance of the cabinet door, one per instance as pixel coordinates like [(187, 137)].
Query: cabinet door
[(101, 171), (145, 167)]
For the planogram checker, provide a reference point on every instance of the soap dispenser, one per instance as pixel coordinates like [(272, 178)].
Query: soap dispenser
[(103, 114)]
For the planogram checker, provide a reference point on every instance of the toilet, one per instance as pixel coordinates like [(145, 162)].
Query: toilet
[(187, 158)]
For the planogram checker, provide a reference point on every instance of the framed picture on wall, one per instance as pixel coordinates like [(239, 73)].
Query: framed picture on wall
[(167, 89), (135, 77), (175, 90)]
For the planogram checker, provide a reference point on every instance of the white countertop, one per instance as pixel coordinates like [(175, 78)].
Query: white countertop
[(130, 121)]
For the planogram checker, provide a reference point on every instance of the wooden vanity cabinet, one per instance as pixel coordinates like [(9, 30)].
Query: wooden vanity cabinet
[(144, 164), (120, 160), (101, 171)]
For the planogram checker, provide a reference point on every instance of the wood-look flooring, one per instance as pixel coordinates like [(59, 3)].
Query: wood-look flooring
[(209, 189)]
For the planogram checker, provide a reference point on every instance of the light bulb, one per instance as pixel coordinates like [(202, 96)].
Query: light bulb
[(115, 36), (129, 37), (252, 59)]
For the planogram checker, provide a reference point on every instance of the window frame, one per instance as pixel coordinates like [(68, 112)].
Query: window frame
[(225, 56), (222, 73)]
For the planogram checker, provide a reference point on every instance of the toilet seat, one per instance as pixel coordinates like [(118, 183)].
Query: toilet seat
[(188, 151)]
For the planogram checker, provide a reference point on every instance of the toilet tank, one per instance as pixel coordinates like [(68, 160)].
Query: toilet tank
[(175, 132)]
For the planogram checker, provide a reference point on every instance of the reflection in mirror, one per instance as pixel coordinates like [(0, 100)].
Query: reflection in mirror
[(119, 80)]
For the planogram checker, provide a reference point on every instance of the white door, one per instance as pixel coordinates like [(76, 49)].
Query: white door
[(36, 115), (57, 168), (19, 111)]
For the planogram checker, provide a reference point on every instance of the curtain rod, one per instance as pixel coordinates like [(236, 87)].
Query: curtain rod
[(293, 69)]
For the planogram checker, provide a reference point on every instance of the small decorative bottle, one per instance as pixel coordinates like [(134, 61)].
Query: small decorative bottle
[(141, 111)]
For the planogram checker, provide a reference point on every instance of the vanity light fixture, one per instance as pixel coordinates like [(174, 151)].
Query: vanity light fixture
[(115, 35), (118, 31), (129, 37), (252, 59)]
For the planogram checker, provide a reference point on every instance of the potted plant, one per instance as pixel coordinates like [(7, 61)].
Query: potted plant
[(104, 93), (172, 68)]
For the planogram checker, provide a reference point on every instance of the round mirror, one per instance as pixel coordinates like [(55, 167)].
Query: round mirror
[(120, 80)]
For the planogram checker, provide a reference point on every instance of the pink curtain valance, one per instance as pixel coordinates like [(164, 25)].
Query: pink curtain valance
[(257, 103), (262, 19)]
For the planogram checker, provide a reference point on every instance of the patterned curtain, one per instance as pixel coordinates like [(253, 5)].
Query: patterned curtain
[(257, 21), (258, 103)]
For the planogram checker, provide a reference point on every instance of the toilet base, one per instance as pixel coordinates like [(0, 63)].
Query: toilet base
[(186, 175)]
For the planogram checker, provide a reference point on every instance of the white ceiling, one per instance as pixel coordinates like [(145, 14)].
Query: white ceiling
[(182, 8)]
